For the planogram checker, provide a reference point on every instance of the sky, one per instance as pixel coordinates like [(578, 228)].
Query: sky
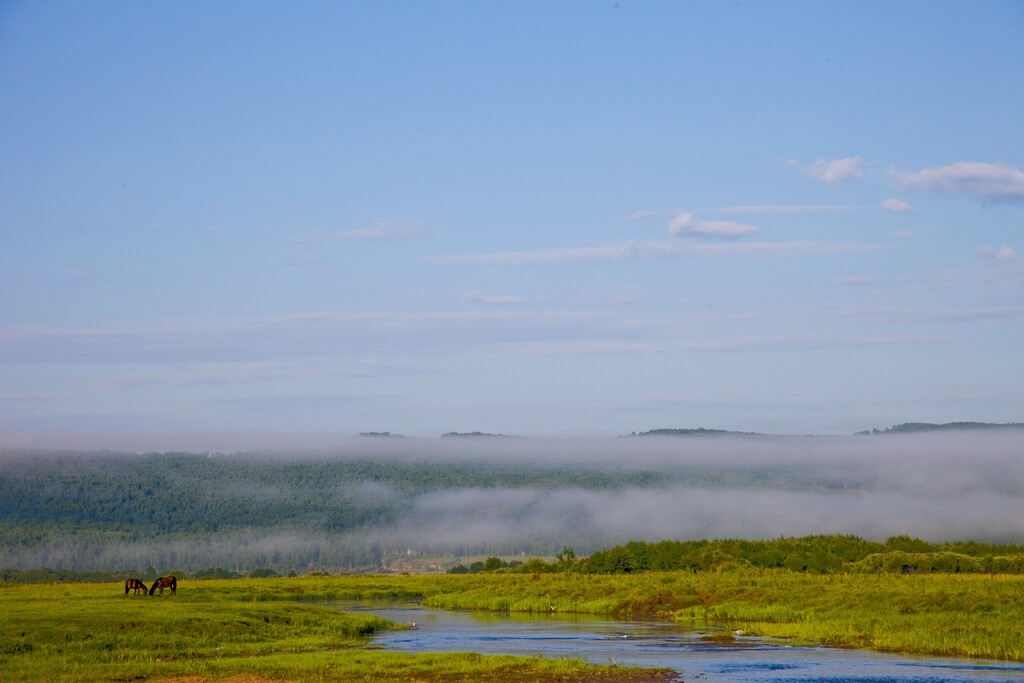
[(233, 224)]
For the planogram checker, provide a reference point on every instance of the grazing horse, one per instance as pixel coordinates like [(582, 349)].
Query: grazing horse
[(165, 582), (135, 585)]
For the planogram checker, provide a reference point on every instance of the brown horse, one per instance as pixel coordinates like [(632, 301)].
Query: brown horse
[(165, 582), (134, 585)]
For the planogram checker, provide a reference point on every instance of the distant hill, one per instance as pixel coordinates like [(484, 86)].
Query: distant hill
[(904, 428), (909, 427)]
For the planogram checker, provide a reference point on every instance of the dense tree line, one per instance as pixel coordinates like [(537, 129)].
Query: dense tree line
[(73, 511), (101, 510), (814, 554), (147, 495)]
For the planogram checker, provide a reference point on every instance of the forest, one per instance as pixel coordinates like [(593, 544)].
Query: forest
[(629, 503)]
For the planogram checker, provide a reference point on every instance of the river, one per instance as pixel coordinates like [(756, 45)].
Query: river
[(643, 643)]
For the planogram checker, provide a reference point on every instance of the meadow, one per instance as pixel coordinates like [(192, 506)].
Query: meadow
[(234, 630), (273, 628), (955, 615)]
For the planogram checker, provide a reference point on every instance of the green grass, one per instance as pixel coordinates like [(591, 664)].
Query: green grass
[(219, 629), (271, 628), (938, 614), (935, 614), (961, 616)]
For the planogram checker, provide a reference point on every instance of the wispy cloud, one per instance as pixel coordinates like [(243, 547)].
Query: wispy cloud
[(774, 344), (492, 299), (956, 315), (586, 347), (626, 251), (381, 229), (809, 343), (689, 224), (254, 372), (983, 181), (788, 208), (833, 171), (648, 250), (230, 348)]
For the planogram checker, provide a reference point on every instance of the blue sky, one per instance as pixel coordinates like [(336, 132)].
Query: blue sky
[(271, 222)]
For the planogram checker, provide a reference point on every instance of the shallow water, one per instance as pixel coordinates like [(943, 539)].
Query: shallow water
[(642, 643)]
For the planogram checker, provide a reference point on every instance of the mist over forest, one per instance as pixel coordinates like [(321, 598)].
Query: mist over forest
[(359, 503)]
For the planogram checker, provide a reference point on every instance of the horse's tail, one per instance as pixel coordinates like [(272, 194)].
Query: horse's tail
[(174, 584), (127, 584)]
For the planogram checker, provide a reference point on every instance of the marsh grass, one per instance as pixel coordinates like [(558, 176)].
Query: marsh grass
[(963, 615), (955, 615), (217, 629), (937, 614)]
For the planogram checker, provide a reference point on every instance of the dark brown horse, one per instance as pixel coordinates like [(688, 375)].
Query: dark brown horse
[(134, 585), (165, 582)]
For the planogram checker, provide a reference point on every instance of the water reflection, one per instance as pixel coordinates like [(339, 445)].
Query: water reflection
[(697, 656)]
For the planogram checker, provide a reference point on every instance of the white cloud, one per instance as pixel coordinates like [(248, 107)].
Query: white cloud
[(987, 182), (1000, 255), (836, 171), (381, 229), (895, 205), (492, 299), (902, 234), (688, 224), (642, 215)]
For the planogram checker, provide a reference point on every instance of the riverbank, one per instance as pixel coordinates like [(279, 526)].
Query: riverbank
[(952, 615), (235, 631), (932, 614), (217, 629)]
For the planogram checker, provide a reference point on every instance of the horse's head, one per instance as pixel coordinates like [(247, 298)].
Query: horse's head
[(156, 584)]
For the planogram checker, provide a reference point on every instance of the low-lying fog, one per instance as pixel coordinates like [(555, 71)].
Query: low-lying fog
[(938, 486)]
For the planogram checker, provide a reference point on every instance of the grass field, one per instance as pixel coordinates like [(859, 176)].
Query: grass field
[(217, 630), (261, 627), (936, 614)]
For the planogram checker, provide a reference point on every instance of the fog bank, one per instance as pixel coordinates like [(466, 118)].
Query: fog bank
[(371, 497)]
